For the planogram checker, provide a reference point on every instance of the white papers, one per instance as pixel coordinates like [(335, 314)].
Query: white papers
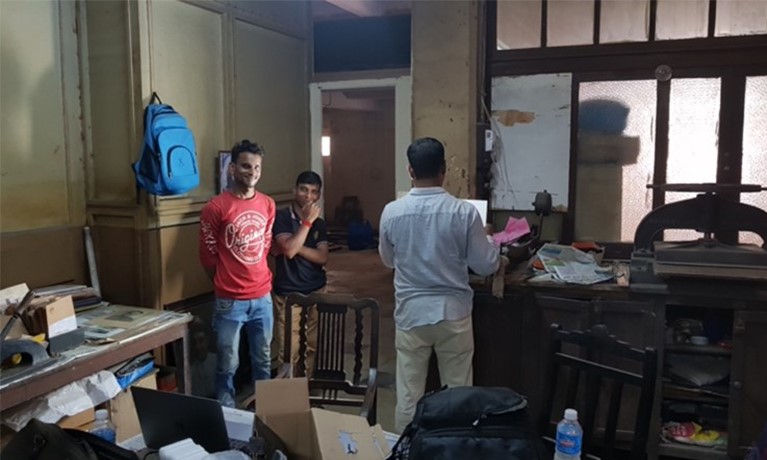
[(481, 206), (62, 326), (67, 400), (572, 265)]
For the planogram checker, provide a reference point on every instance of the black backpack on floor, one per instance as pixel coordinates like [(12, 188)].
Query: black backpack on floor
[(47, 441), (470, 423)]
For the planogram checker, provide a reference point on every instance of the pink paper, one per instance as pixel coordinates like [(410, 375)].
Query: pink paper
[(515, 229)]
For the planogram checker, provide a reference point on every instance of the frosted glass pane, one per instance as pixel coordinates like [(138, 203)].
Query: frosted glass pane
[(616, 151), (571, 22), (741, 17), (624, 21), (519, 24), (755, 147), (692, 139), (677, 19)]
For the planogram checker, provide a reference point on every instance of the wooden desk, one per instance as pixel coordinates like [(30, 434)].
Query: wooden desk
[(89, 359), (511, 340)]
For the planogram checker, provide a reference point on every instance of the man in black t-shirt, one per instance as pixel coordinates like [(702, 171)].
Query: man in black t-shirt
[(301, 249)]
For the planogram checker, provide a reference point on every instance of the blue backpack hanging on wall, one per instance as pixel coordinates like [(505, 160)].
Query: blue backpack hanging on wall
[(168, 163)]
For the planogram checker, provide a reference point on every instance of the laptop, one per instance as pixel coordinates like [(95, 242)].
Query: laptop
[(166, 418)]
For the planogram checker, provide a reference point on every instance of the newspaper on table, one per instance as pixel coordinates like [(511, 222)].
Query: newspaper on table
[(572, 265)]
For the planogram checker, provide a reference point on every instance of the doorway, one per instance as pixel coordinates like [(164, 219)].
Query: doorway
[(360, 131)]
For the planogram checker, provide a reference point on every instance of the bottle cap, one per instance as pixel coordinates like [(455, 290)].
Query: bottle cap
[(571, 415), (102, 414)]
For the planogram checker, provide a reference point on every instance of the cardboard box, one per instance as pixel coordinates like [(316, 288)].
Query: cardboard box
[(315, 434), (54, 316), (77, 420), (60, 317), (122, 411)]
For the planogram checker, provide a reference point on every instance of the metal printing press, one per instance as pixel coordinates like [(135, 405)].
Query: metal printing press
[(654, 261)]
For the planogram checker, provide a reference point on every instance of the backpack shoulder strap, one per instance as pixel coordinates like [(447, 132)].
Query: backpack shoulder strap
[(400, 449)]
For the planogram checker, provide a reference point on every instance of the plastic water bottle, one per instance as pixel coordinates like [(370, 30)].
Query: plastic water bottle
[(102, 427), (569, 437)]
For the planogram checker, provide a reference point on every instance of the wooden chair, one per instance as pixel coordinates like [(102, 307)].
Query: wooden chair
[(598, 344), (329, 384)]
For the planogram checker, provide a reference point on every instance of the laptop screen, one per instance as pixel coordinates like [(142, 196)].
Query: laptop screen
[(166, 418)]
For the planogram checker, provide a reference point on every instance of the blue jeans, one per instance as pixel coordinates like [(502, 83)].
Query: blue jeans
[(230, 315)]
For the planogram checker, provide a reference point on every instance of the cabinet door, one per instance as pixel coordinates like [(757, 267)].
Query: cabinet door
[(748, 398), (571, 314), (498, 341), (635, 322)]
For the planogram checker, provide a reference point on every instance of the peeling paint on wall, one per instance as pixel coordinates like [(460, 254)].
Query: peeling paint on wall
[(512, 117), (535, 142)]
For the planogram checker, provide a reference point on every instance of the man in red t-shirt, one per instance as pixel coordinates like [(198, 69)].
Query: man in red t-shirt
[(235, 237)]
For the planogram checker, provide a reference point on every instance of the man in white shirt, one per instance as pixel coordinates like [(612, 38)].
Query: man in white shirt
[(431, 239)]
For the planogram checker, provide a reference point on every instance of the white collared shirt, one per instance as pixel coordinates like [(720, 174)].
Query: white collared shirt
[(431, 239)]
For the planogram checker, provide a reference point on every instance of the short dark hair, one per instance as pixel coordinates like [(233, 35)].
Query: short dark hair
[(310, 178), (246, 146), (427, 157)]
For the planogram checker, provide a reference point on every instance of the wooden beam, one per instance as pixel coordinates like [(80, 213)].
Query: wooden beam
[(746, 51)]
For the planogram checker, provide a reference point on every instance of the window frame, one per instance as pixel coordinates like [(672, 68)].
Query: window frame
[(730, 58)]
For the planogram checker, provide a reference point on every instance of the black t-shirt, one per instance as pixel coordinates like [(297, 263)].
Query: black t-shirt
[(298, 274)]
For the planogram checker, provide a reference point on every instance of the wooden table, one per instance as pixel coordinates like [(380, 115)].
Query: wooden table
[(89, 359)]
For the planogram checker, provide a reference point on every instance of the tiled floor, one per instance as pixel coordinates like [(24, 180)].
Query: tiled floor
[(362, 274)]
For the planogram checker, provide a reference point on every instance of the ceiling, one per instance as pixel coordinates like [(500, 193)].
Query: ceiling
[(331, 10)]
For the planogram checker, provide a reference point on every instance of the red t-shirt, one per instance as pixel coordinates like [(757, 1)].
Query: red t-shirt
[(235, 237)]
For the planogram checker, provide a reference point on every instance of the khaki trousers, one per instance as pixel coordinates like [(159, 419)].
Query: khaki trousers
[(278, 337), (452, 341)]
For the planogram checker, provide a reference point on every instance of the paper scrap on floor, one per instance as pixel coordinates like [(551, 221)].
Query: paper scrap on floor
[(572, 265)]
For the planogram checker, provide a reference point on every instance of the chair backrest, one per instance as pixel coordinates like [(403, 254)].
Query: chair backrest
[(595, 345), (330, 373)]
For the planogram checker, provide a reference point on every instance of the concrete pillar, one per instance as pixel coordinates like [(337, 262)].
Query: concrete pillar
[(445, 68)]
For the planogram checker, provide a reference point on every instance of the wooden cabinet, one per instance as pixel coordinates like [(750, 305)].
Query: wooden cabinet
[(740, 409), (637, 322), (511, 346)]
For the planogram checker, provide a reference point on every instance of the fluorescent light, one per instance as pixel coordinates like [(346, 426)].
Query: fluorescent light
[(325, 146)]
